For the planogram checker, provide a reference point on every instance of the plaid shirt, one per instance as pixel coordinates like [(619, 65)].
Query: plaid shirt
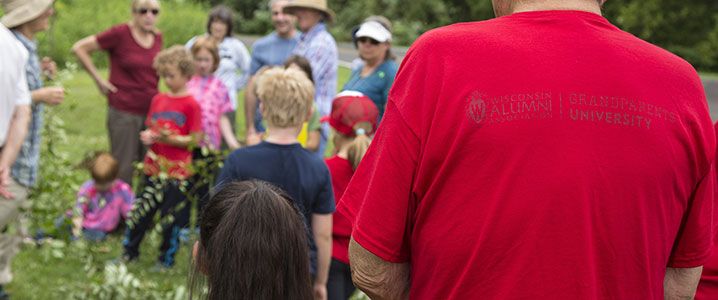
[(319, 47), (24, 171)]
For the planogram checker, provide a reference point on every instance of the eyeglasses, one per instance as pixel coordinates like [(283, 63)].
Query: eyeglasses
[(368, 40), (142, 11)]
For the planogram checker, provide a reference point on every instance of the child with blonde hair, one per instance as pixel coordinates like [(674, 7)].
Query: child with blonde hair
[(173, 129), (287, 97)]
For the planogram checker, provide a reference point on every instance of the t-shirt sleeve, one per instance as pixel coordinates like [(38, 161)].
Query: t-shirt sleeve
[(243, 64), (382, 209), (325, 202), (22, 91), (695, 237), (255, 63), (109, 39)]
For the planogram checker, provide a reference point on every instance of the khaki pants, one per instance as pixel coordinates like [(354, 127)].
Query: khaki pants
[(124, 129), (11, 212)]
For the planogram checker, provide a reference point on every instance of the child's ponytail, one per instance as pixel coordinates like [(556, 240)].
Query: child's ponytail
[(360, 144)]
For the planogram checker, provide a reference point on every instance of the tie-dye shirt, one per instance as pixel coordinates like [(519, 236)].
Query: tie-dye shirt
[(104, 210), (213, 99)]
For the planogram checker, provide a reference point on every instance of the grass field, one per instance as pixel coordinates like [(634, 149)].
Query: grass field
[(54, 270)]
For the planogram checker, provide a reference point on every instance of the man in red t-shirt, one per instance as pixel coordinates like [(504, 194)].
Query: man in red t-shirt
[(544, 154)]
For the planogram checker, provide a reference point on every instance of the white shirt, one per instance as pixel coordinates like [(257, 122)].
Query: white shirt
[(13, 82)]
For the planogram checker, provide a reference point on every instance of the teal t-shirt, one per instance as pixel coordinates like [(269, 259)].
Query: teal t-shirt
[(376, 86)]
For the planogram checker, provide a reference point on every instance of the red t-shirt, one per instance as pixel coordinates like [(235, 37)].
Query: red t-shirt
[(181, 116), (708, 287), (341, 171), (541, 155), (130, 69)]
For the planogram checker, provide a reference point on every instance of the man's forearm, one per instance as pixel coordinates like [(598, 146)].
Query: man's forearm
[(16, 135), (681, 283), (379, 279)]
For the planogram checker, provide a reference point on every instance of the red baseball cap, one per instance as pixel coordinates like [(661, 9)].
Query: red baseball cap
[(350, 108)]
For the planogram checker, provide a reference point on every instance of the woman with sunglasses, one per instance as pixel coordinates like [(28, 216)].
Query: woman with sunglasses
[(133, 82), (374, 76)]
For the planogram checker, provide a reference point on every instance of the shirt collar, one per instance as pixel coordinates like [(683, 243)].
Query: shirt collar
[(313, 31), (31, 45)]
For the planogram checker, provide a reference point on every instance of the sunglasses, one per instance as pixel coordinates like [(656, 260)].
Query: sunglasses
[(368, 40), (142, 11)]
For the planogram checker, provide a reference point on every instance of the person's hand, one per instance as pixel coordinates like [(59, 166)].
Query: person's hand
[(320, 291), (233, 145), (106, 87), (253, 138), (5, 182), (148, 137), (51, 95), (48, 67)]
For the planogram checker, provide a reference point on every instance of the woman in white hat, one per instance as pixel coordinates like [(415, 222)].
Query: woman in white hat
[(133, 82), (375, 75), (27, 18)]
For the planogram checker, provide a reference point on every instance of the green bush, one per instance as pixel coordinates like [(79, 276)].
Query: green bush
[(75, 19)]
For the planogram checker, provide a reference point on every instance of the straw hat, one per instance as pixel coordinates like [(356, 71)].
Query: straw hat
[(320, 5), (18, 12)]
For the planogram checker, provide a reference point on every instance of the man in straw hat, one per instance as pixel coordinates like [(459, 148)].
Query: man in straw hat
[(543, 154), (317, 45)]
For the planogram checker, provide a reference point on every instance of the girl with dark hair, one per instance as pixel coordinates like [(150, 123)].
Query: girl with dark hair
[(233, 69), (252, 245)]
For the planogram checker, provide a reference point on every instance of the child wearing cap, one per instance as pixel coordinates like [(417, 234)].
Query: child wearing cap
[(354, 120), (103, 201), (287, 97)]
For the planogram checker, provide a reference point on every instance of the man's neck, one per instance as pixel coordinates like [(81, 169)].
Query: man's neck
[(287, 35), (25, 31), (282, 136), (579, 5)]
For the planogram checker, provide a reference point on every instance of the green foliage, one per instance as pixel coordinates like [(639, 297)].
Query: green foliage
[(75, 19)]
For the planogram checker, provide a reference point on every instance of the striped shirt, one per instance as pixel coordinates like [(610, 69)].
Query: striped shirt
[(25, 169), (319, 47)]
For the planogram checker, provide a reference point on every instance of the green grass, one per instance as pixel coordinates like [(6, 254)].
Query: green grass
[(51, 272)]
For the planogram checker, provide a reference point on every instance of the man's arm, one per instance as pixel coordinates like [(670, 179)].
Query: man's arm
[(681, 283), (377, 278), (16, 135), (250, 107), (322, 230)]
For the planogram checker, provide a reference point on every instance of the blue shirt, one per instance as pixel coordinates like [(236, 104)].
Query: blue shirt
[(320, 49), (271, 50), (25, 168), (376, 86), (300, 173)]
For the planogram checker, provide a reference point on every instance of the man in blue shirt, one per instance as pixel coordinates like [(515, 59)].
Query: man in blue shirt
[(271, 50)]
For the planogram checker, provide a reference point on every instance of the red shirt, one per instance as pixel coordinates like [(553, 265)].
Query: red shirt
[(180, 116), (541, 155), (708, 287), (341, 171), (130, 69)]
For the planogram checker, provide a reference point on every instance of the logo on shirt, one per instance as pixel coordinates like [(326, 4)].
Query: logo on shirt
[(174, 116), (477, 107)]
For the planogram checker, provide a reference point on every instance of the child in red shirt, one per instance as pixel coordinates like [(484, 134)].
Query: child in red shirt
[(173, 127), (353, 118)]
